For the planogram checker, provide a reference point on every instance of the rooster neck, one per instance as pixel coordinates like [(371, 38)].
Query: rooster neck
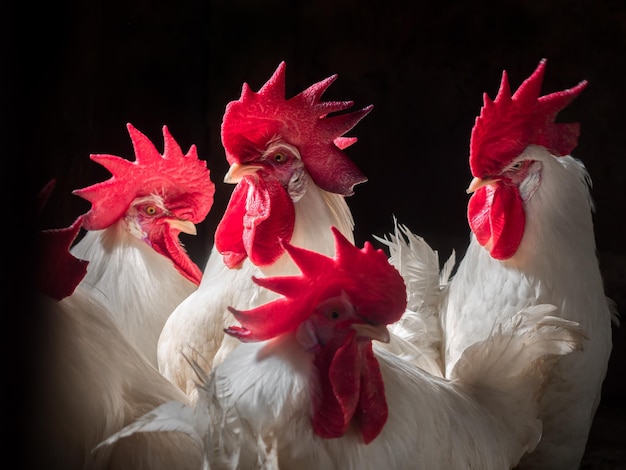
[(316, 212), (557, 250), (558, 218), (558, 222), (139, 286)]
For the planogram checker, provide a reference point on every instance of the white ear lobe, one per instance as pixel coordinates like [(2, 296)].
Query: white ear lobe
[(531, 183), (305, 334)]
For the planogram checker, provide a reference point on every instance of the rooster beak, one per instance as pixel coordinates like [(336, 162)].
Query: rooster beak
[(478, 183), (238, 170), (377, 332), (185, 226)]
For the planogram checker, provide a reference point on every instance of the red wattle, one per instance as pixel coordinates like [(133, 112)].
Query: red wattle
[(372, 411), (229, 232), (269, 218), (478, 210), (351, 387), (339, 378), (496, 215), (166, 243), (259, 215)]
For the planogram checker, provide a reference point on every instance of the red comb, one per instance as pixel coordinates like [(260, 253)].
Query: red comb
[(150, 173), (365, 275), (258, 117), (507, 125), (59, 271)]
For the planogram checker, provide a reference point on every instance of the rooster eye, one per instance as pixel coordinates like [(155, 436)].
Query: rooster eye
[(280, 157), (515, 166), (333, 314), (150, 210)]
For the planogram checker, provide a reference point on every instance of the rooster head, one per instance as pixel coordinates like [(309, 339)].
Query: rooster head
[(335, 308), (257, 119), (270, 142), (505, 128), (158, 195)]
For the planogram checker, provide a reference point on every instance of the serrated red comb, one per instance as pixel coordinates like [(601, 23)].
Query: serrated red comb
[(508, 124), (365, 275), (151, 172), (258, 117)]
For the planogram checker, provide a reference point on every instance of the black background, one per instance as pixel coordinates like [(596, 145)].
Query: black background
[(79, 71)]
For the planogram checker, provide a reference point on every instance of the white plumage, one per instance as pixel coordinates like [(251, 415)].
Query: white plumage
[(554, 263), (140, 286), (485, 416), (417, 336), (91, 381), (137, 265)]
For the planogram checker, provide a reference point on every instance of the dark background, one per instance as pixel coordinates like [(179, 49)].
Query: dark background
[(79, 71)]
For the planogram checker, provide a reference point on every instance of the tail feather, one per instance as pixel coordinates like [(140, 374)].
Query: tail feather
[(418, 264), (417, 336), (168, 417)]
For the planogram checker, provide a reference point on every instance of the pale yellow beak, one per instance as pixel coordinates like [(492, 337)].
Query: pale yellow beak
[(377, 332), (185, 226), (238, 170), (478, 183)]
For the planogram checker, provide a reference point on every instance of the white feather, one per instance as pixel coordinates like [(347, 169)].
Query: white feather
[(217, 429), (556, 264), (417, 336), (171, 416), (470, 422), (138, 285)]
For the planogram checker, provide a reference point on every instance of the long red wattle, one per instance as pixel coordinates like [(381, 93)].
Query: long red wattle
[(229, 231), (166, 243), (372, 411), (339, 372), (259, 215), (497, 219), (351, 387)]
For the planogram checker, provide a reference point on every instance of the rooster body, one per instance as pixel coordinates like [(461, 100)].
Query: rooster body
[(541, 250), (308, 380), (137, 265), (92, 381), (292, 178), (432, 423)]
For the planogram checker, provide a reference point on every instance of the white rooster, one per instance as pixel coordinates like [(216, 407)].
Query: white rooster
[(309, 381), (292, 176), (91, 381), (137, 265), (532, 242)]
